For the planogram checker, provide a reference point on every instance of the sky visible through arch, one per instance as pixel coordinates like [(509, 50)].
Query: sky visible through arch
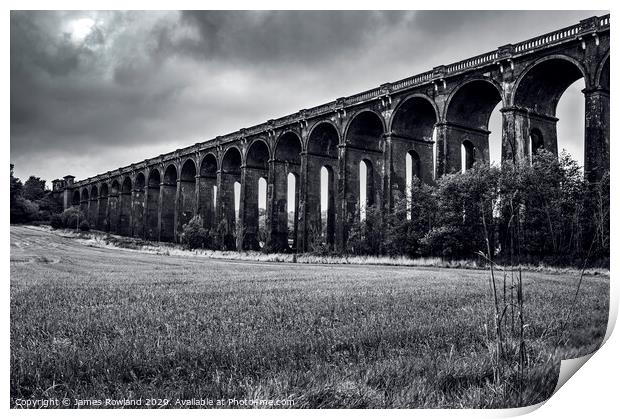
[(94, 91)]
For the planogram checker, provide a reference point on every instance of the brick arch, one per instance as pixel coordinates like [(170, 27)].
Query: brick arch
[(205, 170), (187, 193), (541, 84), (153, 179), (115, 187), (138, 215), (183, 165), (124, 222), (285, 147), (252, 160), (230, 153), (140, 181), (416, 169), (322, 146), (170, 173), (103, 189), (257, 159), (475, 96), (126, 185), (352, 128), (151, 213), (207, 184), (407, 102), (167, 226), (317, 125), (188, 168), (113, 205)]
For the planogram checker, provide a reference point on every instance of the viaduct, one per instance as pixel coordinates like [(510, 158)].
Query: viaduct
[(447, 108)]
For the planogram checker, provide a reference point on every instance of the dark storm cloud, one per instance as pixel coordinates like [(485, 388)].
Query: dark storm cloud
[(63, 91), (262, 37), (132, 85)]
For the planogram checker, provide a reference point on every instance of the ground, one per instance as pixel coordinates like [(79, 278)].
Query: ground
[(103, 323)]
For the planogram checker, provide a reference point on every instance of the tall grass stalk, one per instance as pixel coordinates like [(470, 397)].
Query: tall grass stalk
[(510, 358)]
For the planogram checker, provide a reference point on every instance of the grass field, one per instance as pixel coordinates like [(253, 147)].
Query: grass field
[(98, 323)]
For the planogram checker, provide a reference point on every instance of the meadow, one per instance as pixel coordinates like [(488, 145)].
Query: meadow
[(97, 323)]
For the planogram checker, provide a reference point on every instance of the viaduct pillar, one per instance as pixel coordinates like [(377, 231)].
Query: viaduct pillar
[(68, 192), (341, 201), (138, 209), (303, 232), (596, 133)]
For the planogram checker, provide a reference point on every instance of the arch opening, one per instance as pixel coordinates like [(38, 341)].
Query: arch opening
[(75, 199), (541, 87), (102, 211), (468, 114), (152, 205), (124, 222), (167, 197), (114, 206), (320, 205), (570, 126), (365, 160), (258, 156), (231, 174), (365, 131), (256, 169), (187, 194), (288, 149), (206, 192), (412, 163), (536, 141), (495, 135), (93, 209), (84, 202), (328, 210), (366, 192), (468, 155), (413, 129), (292, 202), (551, 92), (262, 212), (137, 209), (285, 192), (323, 141), (415, 119)]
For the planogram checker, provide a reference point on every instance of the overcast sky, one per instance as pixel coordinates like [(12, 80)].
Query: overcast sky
[(94, 91)]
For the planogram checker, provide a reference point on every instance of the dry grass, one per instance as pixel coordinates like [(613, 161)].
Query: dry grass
[(113, 323), (111, 241)]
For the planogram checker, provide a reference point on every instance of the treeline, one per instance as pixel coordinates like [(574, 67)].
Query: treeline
[(31, 201), (544, 212)]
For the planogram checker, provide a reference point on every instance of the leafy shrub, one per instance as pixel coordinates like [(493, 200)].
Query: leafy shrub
[(194, 235), (222, 237), (24, 210), (56, 221), (84, 226), (71, 217), (365, 237)]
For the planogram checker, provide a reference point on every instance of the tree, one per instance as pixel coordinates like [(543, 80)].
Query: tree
[(34, 189), (16, 187), (71, 217), (465, 221), (21, 210), (410, 220), (194, 235)]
